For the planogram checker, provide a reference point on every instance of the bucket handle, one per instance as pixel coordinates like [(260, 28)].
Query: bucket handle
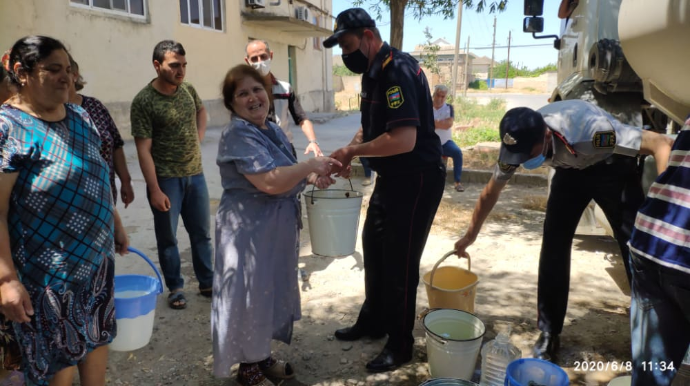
[(352, 188), (433, 271), (143, 256)]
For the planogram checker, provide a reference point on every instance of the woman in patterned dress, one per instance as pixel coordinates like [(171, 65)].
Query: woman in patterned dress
[(255, 290), (112, 145), (58, 229)]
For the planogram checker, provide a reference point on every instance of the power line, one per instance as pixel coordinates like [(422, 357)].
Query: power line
[(513, 46)]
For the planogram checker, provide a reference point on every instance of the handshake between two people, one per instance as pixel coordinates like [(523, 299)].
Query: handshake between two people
[(338, 164)]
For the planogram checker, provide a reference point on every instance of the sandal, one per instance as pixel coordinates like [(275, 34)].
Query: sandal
[(250, 374), (177, 301), (279, 369), (206, 292)]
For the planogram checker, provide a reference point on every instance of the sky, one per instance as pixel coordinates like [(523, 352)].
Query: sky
[(479, 27)]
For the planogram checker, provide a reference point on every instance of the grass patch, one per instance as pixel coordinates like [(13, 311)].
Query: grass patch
[(537, 203), (473, 136), (479, 160), (483, 119)]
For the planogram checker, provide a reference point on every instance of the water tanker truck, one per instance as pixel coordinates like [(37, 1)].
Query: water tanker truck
[(630, 57)]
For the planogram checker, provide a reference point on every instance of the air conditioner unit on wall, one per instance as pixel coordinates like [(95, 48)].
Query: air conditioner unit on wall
[(256, 4), (302, 13)]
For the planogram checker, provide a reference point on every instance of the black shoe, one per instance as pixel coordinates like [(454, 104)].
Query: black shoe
[(388, 360), (546, 346), (355, 333)]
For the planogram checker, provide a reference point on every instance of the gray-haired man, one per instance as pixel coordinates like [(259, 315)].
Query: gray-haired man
[(284, 100)]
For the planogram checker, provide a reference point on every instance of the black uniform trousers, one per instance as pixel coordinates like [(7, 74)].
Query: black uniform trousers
[(399, 217), (615, 186)]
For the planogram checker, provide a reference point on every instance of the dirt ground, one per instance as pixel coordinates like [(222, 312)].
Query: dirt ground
[(505, 257)]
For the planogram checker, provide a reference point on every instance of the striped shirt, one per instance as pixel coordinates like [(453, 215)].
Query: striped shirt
[(662, 226)]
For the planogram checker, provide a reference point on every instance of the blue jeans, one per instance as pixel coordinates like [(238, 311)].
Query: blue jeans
[(188, 198), (365, 166), (450, 149), (659, 321)]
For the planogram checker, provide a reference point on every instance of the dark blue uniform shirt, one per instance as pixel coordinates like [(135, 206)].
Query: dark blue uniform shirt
[(395, 93)]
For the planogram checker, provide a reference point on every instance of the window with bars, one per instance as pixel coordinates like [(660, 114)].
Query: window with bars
[(202, 13), (131, 7)]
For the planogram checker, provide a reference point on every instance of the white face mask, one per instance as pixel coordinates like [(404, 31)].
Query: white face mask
[(263, 67)]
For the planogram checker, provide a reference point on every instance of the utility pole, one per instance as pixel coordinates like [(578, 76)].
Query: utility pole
[(457, 49), (508, 62), (491, 65), (467, 59)]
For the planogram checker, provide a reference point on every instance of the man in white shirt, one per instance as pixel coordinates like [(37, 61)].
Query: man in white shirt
[(443, 121)]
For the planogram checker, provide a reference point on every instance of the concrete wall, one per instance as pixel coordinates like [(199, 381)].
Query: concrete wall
[(544, 83), (351, 84), (114, 50)]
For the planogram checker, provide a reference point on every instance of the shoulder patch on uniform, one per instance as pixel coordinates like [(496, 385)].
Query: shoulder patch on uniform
[(387, 61), (604, 139), (394, 97), (505, 168)]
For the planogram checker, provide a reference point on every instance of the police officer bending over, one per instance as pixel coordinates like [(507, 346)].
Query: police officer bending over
[(398, 138), (593, 155)]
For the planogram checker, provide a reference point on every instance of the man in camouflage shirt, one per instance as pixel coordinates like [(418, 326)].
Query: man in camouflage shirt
[(168, 125)]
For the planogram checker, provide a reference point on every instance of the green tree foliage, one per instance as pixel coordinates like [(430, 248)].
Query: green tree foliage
[(341, 70), (516, 70), (430, 56), (478, 84), (421, 8)]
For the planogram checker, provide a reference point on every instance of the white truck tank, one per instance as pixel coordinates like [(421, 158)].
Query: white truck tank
[(655, 37)]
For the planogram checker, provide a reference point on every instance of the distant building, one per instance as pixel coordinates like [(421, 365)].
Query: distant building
[(480, 67), (113, 42), (445, 57)]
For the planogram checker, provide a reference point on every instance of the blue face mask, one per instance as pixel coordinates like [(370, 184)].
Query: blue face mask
[(534, 162)]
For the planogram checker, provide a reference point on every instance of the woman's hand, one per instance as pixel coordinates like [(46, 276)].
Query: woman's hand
[(121, 239), (127, 193), (15, 302), (323, 166), (321, 182)]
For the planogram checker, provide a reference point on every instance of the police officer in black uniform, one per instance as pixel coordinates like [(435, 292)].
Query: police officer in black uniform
[(594, 158), (398, 138)]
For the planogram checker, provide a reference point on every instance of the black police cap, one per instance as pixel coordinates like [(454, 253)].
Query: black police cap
[(520, 129), (348, 20)]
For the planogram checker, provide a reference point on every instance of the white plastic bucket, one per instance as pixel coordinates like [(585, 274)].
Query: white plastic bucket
[(447, 382), (135, 307), (453, 341), (625, 380), (333, 221)]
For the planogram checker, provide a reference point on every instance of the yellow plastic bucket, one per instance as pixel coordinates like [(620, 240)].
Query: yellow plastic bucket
[(451, 287)]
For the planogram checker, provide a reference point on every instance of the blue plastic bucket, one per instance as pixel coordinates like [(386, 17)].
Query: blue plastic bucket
[(135, 307), (535, 372)]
